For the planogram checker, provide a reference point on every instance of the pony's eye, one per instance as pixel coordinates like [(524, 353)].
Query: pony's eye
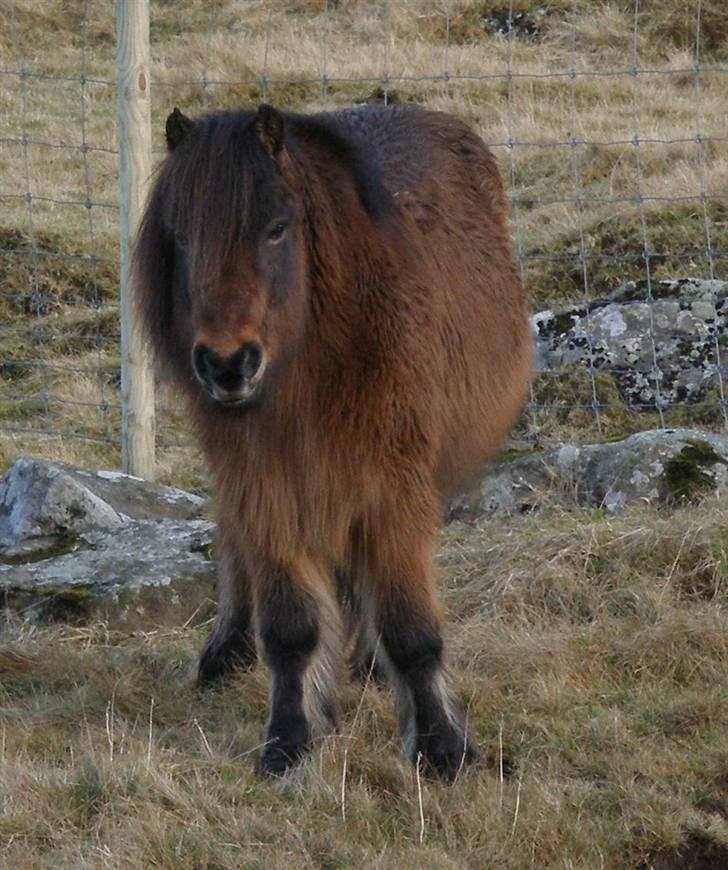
[(276, 232)]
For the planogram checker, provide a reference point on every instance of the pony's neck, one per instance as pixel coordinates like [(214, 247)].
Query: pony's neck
[(347, 249)]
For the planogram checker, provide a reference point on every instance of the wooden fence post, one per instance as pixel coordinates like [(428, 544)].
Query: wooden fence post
[(135, 167)]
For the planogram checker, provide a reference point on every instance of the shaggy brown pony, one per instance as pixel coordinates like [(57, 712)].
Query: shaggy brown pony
[(336, 295)]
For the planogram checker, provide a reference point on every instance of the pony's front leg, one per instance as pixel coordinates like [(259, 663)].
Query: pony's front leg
[(408, 621), (300, 635)]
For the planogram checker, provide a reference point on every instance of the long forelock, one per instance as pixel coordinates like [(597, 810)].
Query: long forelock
[(216, 182)]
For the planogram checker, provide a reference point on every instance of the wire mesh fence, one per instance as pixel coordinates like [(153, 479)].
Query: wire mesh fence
[(608, 122)]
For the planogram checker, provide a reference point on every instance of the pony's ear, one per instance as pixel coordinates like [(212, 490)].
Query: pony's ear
[(177, 128), (269, 129)]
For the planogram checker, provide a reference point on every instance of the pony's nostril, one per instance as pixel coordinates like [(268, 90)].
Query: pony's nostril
[(251, 356), (201, 362)]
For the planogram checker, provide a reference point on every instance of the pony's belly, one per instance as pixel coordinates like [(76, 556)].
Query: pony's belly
[(478, 422)]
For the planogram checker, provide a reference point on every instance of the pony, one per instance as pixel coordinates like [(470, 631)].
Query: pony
[(336, 297)]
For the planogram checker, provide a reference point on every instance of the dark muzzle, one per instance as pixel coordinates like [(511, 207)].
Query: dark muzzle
[(230, 380)]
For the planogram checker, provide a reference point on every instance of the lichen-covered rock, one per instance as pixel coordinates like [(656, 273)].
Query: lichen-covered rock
[(82, 545), (653, 467), (140, 499), (660, 353), (141, 574)]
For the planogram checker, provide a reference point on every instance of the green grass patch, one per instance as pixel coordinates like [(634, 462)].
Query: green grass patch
[(614, 253), (40, 274)]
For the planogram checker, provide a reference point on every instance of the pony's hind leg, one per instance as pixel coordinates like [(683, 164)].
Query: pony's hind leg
[(364, 664), (431, 723), (231, 643), (300, 636)]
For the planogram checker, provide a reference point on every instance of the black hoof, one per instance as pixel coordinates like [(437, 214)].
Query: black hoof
[(445, 753), (285, 750), (219, 659), (277, 760)]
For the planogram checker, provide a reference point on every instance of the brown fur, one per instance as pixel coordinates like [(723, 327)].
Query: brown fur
[(396, 359)]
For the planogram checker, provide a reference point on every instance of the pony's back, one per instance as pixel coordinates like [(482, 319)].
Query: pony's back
[(446, 185)]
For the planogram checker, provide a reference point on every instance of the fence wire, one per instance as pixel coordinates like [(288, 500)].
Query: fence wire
[(608, 122)]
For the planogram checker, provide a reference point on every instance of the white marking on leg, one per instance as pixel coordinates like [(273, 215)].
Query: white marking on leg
[(321, 675)]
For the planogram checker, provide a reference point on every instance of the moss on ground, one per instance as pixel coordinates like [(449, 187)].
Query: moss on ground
[(564, 407), (687, 474), (53, 546), (670, 24), (470, 22)]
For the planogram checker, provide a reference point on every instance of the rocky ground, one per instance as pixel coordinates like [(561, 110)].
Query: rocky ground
[(81, 545), (84, 545)]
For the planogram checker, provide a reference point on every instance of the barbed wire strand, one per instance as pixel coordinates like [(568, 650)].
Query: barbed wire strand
[(513, 187), (325, 57), (36, 299), (446, 52), (387, 35), (206, 54), (462, 77), (266, 47)]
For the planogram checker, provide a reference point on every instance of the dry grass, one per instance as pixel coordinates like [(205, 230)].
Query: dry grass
[(591, 653), (235, 44)]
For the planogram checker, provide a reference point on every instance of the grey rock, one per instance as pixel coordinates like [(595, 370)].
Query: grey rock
[(40, 500), (661, 352), (83, 545), (653, 467), (143, 574), (141, 499)]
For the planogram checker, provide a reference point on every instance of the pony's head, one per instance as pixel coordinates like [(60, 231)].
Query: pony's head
[(220, 259)]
